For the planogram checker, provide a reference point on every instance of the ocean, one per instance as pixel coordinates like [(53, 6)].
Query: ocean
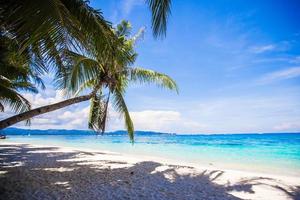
[(276, 153)]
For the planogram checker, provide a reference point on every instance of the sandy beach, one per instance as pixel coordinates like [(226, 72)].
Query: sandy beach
[(48, 172)]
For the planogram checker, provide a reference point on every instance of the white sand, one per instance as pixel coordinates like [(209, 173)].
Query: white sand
[(41, 172)]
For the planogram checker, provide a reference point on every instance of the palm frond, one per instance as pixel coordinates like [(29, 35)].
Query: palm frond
[(86, 85), (16, 74), (49, 27), (138, 36), (1, 107), (93, 116), (149, 76), (102, 114), (160, 10), (14, 100), (98, 113), (83, 70), (120, 106), (123, 29), (24, 86)]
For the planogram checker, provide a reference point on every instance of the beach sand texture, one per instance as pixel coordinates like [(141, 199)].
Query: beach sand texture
[(39, 172)]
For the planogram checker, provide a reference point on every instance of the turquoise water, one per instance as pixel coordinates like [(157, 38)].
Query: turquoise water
[(266, 153)]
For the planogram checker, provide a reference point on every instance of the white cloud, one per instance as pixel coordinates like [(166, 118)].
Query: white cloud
[(279, 46), (287, 126), (221, 115), (262, 49), (288, 73), (166, 121), (48, 97), (295, 60), (71, 117), (246, 114), (157, 120), (128, 5), (124, 9), (76, 117)]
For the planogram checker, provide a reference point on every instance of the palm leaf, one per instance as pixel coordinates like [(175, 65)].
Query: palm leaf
[(86, 85), (98, 113), (83, 70), (120, 106), (93, 116), (14, 100), (102, 115), (1, 107), (160, 10), (123, 29), (49, 27), (149, 76)]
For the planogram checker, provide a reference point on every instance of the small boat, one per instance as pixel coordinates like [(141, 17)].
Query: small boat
[(2, 136)]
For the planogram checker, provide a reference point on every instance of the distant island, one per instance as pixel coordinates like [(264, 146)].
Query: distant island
[(19, 131)]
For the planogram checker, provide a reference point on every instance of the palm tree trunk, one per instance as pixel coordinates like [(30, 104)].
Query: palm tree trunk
[(41, 110)]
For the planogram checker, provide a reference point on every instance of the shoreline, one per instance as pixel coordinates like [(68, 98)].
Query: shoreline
[(139, 157), (261, 184)]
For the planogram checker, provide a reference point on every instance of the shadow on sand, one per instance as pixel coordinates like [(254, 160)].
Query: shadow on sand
[(46, 173)]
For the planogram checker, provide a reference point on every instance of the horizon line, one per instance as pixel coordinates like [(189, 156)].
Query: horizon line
[(170, 133)]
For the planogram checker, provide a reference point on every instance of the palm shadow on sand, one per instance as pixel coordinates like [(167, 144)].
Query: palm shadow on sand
[(61, 176)]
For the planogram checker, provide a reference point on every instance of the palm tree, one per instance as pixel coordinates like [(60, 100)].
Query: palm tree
[(112, 78), (107, 77), (49, 27), (34, 34), (16, 74), (45, 29)]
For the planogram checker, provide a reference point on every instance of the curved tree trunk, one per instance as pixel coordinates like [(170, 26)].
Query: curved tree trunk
[(41, 110)]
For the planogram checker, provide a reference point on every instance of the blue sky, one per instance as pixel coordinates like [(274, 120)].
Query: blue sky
[(237, 64)]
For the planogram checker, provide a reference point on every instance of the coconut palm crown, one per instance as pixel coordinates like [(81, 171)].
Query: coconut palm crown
[(109, 77)]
